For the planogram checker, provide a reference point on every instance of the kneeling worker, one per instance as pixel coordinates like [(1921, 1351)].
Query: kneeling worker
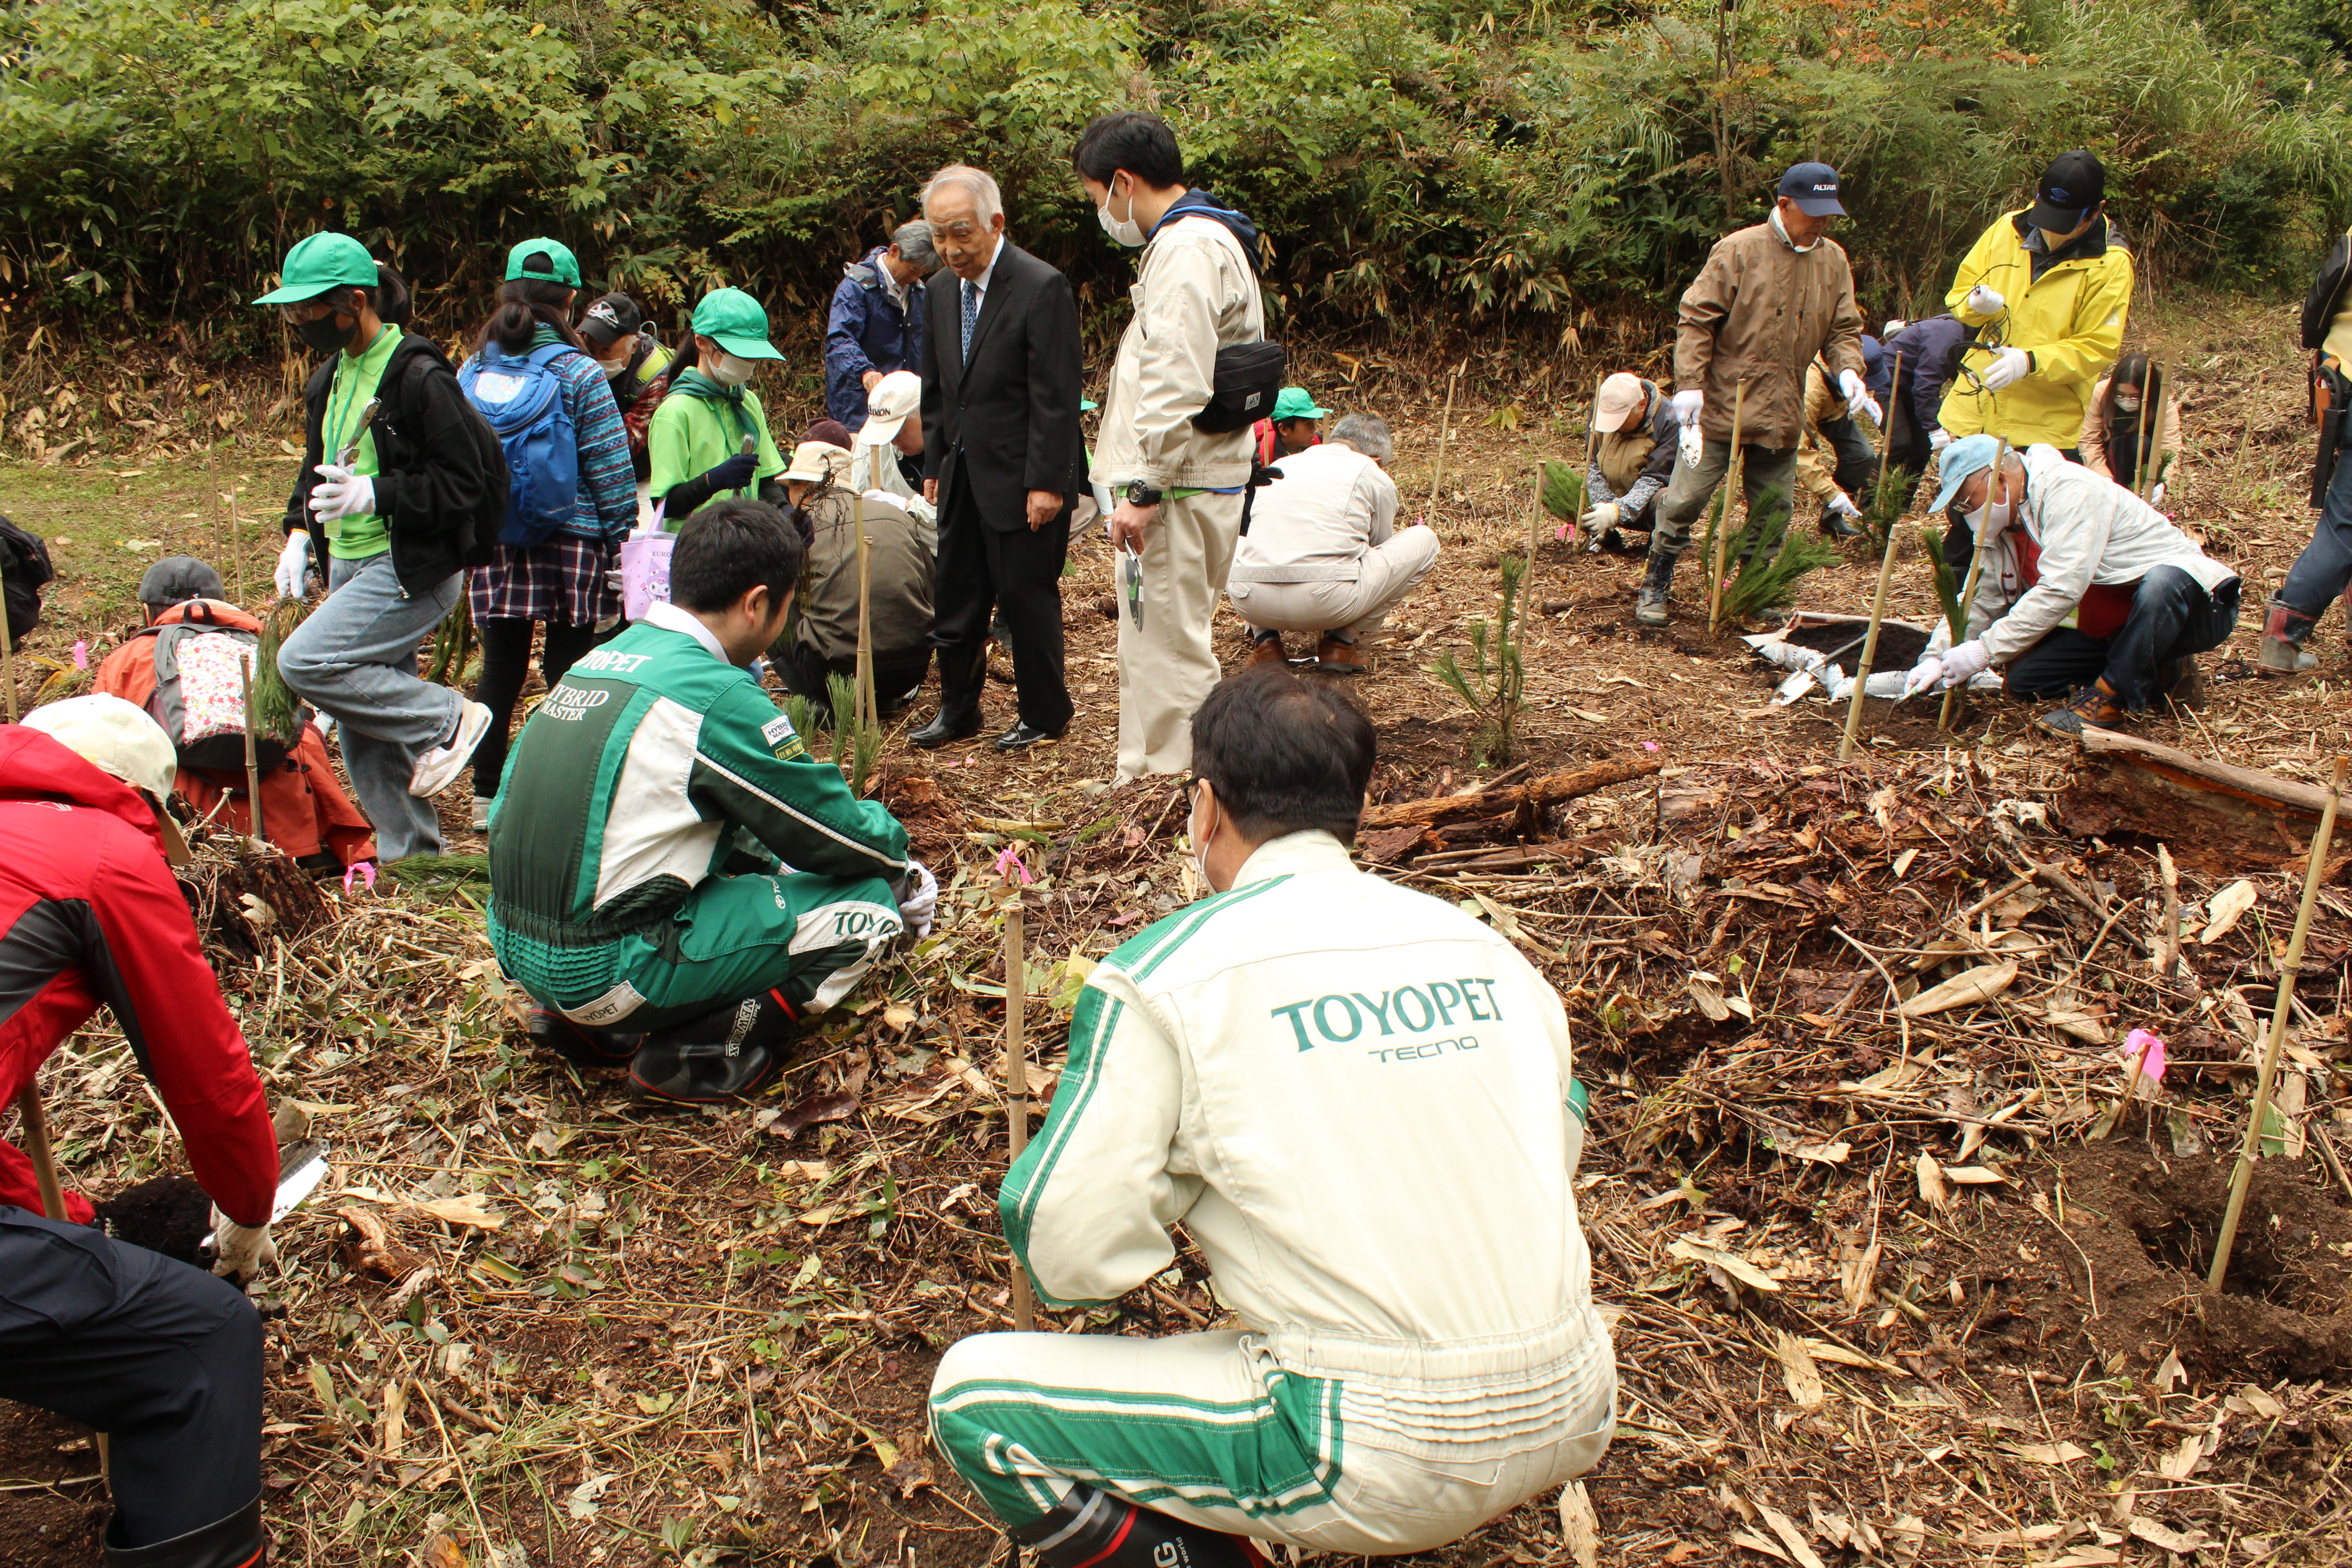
[(1322, 554), (822, 641), (624, 896), (162, 1357), (1408, 1365), (2088, 590), (1633, 460)]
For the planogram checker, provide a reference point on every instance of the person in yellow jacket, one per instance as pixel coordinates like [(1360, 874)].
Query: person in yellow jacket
[(2045, 291)]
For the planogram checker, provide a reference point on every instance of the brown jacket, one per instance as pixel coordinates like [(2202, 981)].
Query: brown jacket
[(899, 578), (1758, 313), (2099, 414)]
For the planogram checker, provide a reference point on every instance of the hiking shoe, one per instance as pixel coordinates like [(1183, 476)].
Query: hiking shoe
[(2093, 706), (575, 1042), (1650, 606), (1336, 657), (437, 769), (721, 1055), (1266, 648), (2181, 683)]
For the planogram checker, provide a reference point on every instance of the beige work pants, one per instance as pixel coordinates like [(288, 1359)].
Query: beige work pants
[(1388, 572), (1166, 669)]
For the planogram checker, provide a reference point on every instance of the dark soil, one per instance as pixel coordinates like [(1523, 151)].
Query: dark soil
[(170, 1214), (57, 1504)]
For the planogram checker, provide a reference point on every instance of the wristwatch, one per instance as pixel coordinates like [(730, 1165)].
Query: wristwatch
[(1141, 494)]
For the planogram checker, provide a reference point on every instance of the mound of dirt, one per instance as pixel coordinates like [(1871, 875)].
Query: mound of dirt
[(2146, 1225), (170, 1214)]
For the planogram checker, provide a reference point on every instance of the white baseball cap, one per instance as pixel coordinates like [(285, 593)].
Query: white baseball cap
[(895, 397), (815, 463), (115, 736)]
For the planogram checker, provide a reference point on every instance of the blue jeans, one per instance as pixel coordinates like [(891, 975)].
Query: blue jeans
[(2324, 568), (355, 660), (2172, 618)]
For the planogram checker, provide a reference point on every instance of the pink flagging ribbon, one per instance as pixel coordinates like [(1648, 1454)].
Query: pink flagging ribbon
[(364, 869), (1012, 868)]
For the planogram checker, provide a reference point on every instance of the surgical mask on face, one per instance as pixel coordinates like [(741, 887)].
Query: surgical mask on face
[(614, 368), (2126, 404), (323, 335), (727, 370), (1200, 845), (1125, 230)]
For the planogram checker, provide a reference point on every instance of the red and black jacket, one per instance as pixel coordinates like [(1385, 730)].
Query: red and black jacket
[(90, 913)]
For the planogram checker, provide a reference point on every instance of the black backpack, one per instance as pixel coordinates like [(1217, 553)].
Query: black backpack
[(24, 571), (2319, 305), (490, 518)]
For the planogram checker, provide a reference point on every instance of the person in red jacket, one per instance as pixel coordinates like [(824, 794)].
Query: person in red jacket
[(304, 810), (162, 1357)]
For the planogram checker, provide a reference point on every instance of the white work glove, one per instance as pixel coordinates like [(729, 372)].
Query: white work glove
[(1686, 407), (341, 494), (921, 902), (1691, 446), (1923, 675), (1963, 663), (2007, 368), (613, 581), (294, 564), (242, 1251), (1984, 301), (1938, 439), (2156, 496), (1857, 396), (1842, 504), (1602, 516)]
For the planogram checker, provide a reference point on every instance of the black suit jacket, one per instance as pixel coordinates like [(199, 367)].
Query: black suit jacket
[(1007, 423)]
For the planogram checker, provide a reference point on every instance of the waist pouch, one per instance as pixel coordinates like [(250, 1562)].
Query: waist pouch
[(1242, 386)]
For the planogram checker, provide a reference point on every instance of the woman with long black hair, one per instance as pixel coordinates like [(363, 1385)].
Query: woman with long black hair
[(562, 582), (2132, 427)]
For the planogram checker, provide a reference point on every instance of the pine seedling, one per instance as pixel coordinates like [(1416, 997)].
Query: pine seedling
[(856, 745), (1563, 489), (1885, 511), (274, 707), (1947, 592), (1496, 683), (1771, 558)]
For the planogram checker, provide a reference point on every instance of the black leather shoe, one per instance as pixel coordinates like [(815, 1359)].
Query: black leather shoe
[(589, 1048), (236, 1541), (946, 727), (1024, 735)]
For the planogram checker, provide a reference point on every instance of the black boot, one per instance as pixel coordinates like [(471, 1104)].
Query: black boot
[(236, 1542), (1650, 606), (725, 1055), (961, 675), (574, 1043), (1100, 1530)]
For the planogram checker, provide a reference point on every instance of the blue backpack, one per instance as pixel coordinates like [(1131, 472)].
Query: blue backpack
[(524, 400)]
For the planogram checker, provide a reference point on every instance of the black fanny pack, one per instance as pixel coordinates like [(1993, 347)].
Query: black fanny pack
[(1243, 387)]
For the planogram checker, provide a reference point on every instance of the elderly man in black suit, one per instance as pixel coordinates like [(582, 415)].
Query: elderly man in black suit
[(1002, 455)]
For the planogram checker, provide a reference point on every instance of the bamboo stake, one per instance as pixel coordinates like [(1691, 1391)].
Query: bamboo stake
[(252, 758), (2154, 466), (2291, 965), (2168, 961), (8, 656), (1968, 592), (1733, 476), (1869, 645), (865, 611), (1016, 1073), (2139, 432), (37, 1148), (1886, 439), (1445, 435)]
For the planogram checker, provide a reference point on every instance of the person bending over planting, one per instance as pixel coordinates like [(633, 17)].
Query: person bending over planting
[(636, 892), (1373, 1142)]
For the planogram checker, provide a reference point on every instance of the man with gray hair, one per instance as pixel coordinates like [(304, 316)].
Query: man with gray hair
[(1322, 553), (1002, 452), (876, 323)]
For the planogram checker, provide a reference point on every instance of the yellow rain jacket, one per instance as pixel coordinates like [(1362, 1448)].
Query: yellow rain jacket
[(2071, 319)]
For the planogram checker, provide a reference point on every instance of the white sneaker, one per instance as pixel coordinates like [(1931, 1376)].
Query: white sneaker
[(437, 769), (481, 814)]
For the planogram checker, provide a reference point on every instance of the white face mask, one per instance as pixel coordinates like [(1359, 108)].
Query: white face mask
[(614, 368), (727, 370), (1200, 846), (1125, 230), (2126, 405)]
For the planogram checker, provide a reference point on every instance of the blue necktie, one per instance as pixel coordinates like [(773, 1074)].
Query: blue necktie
[(970, 314)]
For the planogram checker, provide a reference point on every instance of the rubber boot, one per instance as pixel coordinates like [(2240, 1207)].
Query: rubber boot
[(237, 1542), (575, 1042), (2283, 637), (1096, 1529), (1649, 604), (961, 675), (721, 1055)]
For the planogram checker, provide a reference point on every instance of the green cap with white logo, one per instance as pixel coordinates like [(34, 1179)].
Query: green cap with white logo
[(322, 262)]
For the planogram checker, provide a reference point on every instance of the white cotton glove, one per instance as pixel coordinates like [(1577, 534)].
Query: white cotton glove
[(1857, 396), (1963, 663), (341, 494), (613, 581), (1923, 675), (1690, 445), (294, 564), (2156, 496), (1686, 407), (1842, 504), (1984, 301), (2007, 368), (1938, 439), (1605, 515), (242, 1251), (922, 901)]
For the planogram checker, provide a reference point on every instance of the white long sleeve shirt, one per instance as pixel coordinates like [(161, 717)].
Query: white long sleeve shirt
[(1314, 523), (1374, 1143)]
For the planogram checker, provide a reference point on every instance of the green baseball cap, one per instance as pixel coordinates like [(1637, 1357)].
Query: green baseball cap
[(736, 320), (564, 270), (1292, 402), (322, 262)]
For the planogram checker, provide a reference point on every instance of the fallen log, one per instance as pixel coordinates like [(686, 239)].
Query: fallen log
[(1547, 790), (2215, 816)]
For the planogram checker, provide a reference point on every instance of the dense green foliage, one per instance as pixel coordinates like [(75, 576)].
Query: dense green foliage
[(1524, 160)]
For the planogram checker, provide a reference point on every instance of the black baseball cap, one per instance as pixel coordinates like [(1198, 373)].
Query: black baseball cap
[(2071, 186), (176, 579), (611, 319), (1815, 188)]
